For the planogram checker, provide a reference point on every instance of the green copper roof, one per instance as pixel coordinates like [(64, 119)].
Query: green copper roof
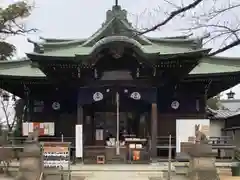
[(21, 68), (207, 66), (211, 65), (146, 49), (115, 27), (117, 30), (179, 40)]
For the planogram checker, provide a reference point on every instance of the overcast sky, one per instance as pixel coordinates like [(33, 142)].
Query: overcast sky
[(81, 18)]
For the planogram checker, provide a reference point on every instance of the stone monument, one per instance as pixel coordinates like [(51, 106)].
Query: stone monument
[(30, 159), (201, 138), (202, 160)]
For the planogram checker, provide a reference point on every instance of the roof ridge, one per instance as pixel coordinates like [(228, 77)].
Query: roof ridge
[(130, 27), (98, 32)]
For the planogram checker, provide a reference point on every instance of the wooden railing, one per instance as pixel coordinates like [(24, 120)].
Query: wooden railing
[(163, 142), (223, 145), (222, 140)]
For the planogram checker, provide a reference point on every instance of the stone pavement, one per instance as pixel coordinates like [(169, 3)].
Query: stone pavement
[(118, 172), (121, 167), (107, 171), (119, 176), (229, 178), (5, 178)]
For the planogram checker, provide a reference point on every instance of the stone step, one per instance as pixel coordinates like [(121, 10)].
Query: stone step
[(65, 177), (150, 174), (224, 171)]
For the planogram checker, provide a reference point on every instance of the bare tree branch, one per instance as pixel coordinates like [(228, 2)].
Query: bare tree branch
[(225, 28), (7, 111), (220, 19), (231, 45), (172, 15), (171, 3), (214, 13)]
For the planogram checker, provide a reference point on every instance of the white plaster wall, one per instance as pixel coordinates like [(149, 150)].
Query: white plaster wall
[(216, 127), (186, 128)]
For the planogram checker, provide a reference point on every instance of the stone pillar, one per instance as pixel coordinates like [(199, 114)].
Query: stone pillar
[(154, 128), (202, 163)]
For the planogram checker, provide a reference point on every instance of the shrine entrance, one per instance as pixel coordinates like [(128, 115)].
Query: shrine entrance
[(117, 116), (110, 124)]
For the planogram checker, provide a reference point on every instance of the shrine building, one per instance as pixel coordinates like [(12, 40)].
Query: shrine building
[(117, 83)]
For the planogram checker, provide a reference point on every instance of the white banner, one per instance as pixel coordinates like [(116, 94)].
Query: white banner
[(99, 134), (185, 129), (79, 140)]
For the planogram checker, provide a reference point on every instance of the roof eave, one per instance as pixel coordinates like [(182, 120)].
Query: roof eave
[(224, 58), (52, 40), (10, 69), (57, 44), (194, 53), (173, 37), (207, 75), (34, 56), (21, 76)]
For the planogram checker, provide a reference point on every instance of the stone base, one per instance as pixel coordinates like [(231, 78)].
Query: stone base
[(202, 163), (201, 150), (203, 175), (202, 168)]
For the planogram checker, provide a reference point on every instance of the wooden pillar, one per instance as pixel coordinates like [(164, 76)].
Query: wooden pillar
[(154, 128), (79, 122), (79, 110), (27, 103)]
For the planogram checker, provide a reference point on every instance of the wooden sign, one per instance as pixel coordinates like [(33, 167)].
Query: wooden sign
[(56, 154)]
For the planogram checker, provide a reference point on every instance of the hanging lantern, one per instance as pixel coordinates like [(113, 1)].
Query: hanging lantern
[(5, 97), (14, 98), (231, 95)]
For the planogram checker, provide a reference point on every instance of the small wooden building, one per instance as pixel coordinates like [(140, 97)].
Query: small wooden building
[(225, 123), (118, 82)]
